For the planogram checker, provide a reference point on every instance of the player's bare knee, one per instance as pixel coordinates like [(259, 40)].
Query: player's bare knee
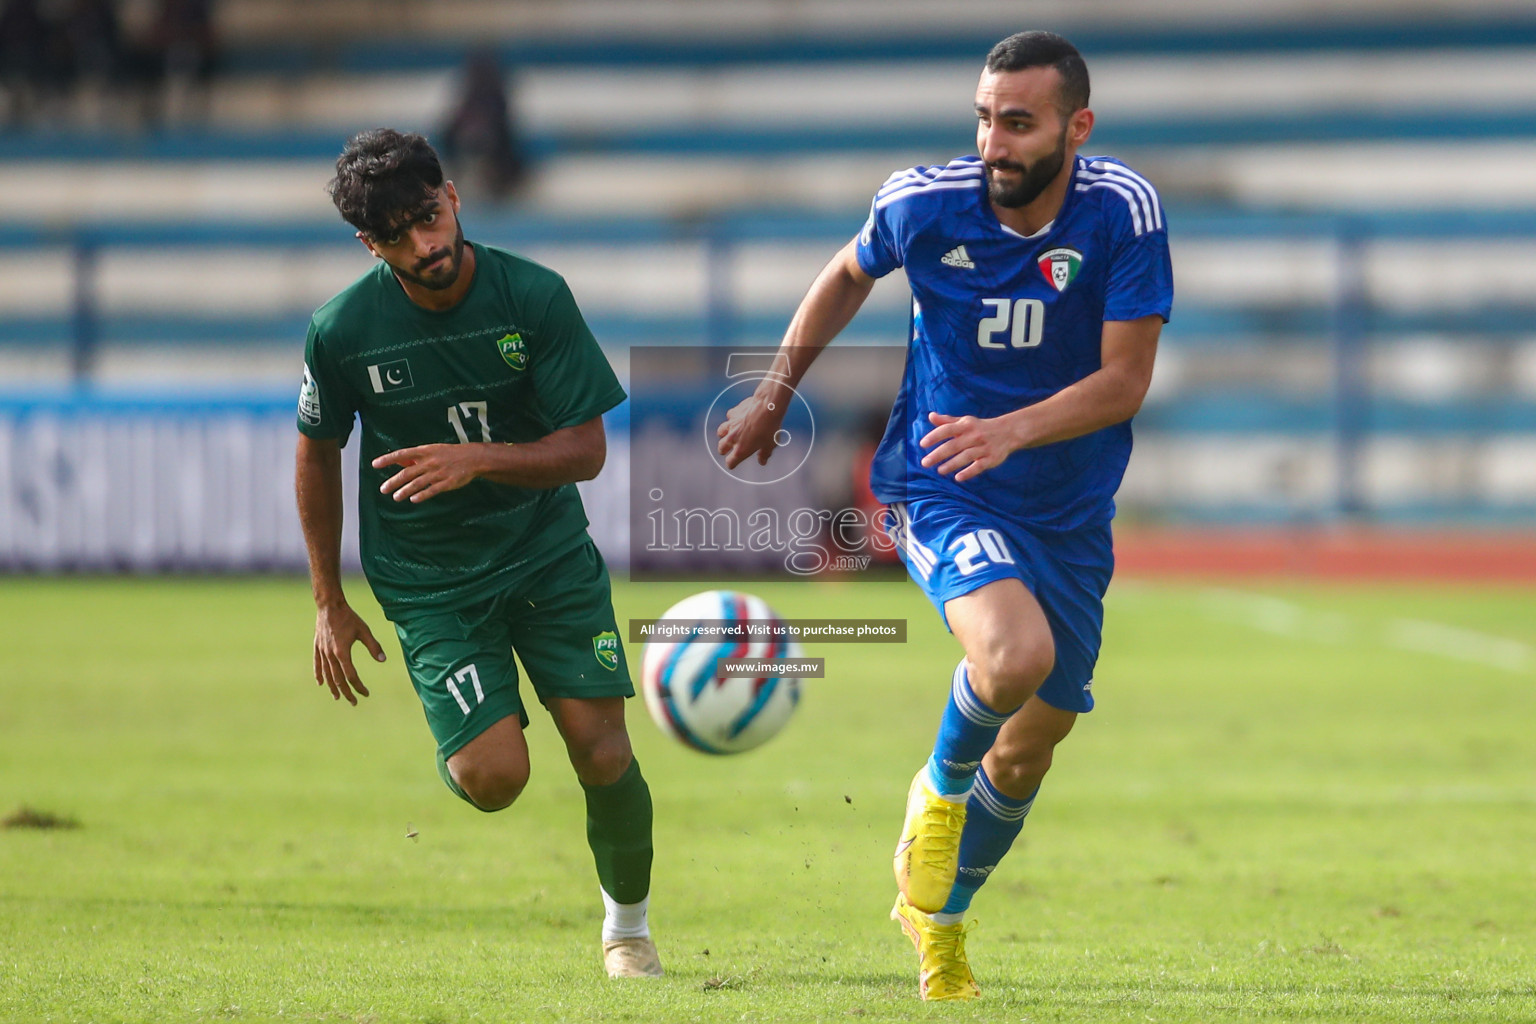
[(601, 761), (491, 787), (1005, 672)]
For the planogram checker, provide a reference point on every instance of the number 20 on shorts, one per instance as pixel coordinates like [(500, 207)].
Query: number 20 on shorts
[(980, 548)]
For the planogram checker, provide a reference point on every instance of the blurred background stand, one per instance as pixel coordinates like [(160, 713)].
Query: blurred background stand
[(184, 42), (1353, 346), (479, 140), (121, 67), (35, 66)]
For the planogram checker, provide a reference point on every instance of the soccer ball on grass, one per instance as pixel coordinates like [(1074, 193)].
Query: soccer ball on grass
[(683, 690)]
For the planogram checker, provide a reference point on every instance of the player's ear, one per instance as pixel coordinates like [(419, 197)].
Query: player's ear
[(367, 244), (453, 196), (1079, 127)]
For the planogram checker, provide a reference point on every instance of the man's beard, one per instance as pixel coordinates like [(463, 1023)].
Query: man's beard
[(1032, 181), (443, 277)]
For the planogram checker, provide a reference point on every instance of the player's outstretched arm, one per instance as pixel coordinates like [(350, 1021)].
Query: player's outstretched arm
[(562, 457), (968, 445), (317, 485), (833, 299)]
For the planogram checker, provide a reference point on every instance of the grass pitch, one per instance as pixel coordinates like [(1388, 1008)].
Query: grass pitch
[(1294, 804)]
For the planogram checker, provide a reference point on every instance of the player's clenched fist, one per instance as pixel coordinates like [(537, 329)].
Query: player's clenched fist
[(967, 445)]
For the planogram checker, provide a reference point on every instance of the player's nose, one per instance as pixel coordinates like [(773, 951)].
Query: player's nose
[(422, 242), (989, 143)]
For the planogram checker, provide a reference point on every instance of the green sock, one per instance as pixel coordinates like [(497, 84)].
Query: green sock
[(447, 777), (619, 832)]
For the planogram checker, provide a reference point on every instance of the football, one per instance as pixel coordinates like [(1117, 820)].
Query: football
[(683, 690)]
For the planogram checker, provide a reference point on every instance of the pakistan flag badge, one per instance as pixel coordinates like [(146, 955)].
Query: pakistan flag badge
[(514, 351), (606, 646), (1060, 266)]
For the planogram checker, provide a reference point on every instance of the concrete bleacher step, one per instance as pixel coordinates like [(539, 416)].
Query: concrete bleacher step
[(1433, 125), (1363, 176), (779, 109), (399, 34), (560, 100)]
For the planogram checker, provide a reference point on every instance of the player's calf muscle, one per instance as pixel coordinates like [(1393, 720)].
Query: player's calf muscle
[(1017, 769), (1025, 748)]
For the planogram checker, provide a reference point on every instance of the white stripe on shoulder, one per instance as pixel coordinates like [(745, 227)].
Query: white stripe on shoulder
[(1131, 201), (909, 175), (1134, 194), (930, 186), (924, 179), (1144, 188), (929, 170), (920, 175), (1115, 166)]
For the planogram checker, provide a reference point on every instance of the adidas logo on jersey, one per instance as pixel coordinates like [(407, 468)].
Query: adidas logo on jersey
[(958, 257)]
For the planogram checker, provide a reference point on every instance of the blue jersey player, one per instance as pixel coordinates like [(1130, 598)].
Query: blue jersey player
[(1040, 282)]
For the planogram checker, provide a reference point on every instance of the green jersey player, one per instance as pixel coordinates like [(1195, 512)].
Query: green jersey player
[(480, 392)]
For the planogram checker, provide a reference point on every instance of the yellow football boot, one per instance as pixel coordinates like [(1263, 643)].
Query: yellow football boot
[(942, 971), (928, 853)]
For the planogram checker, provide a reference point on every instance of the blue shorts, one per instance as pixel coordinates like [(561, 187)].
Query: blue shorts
[(951, 549)]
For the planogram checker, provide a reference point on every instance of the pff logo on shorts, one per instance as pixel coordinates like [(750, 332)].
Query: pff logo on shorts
[(606, 646)]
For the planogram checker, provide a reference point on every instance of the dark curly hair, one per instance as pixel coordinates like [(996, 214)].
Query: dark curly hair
[(1037, 49), (382, 177)]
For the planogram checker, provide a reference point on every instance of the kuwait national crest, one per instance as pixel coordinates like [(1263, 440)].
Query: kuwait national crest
[(1060, 266), (606, 646), (513, 350)]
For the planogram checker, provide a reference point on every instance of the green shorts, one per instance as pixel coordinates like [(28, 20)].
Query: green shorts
[(560, 624)]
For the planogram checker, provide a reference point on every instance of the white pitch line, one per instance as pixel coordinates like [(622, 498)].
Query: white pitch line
[(1461, 644), (1277, 616), (1270, 614)]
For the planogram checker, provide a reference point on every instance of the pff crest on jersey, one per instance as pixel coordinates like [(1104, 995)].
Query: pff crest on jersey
[(513, 350), (1060, 266)]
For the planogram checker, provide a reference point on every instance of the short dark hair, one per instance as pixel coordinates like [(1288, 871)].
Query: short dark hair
[(383, 176), (1038, 49)]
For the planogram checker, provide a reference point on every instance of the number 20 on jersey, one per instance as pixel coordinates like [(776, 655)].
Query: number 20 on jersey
[(1013, 324)]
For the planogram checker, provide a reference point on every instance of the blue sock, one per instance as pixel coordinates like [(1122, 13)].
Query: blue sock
[(966, 733), (992, 823)]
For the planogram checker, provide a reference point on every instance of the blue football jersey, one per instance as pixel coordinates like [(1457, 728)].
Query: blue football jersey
[(1001, 321)]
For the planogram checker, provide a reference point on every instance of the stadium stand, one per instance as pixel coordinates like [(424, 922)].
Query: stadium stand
[(1355, 247)]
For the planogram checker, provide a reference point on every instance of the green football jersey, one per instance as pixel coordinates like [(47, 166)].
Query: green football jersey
[(513, 361)]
